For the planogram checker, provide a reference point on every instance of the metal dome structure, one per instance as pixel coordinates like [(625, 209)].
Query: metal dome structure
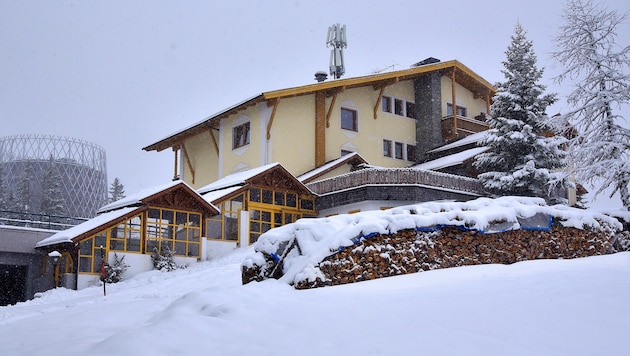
[(81, 165)]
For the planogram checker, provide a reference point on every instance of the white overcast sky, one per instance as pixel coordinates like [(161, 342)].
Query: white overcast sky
[(124, 74)]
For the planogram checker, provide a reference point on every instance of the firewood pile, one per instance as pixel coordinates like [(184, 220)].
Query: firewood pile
[(411, 251)]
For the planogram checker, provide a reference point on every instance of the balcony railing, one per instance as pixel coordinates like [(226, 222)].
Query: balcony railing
[(454, 127), (396, 176)]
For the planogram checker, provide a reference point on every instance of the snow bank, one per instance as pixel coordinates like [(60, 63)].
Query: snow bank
[(305, 243)]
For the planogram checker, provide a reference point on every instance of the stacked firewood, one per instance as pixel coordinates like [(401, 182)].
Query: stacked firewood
[(412, 251)]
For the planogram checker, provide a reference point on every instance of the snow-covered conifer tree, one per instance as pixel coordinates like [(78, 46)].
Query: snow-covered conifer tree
[(24, 190), (52, 203), (116, 191), (524, 156), (600, 70)]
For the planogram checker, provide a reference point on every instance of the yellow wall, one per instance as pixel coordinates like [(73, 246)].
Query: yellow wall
[(463, 97), (292, 141), (203, 157), (371, 132)]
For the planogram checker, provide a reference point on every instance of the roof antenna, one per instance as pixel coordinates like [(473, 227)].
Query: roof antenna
[(337, 40)]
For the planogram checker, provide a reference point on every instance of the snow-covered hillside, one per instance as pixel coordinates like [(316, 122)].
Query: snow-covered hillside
[(551, 307)]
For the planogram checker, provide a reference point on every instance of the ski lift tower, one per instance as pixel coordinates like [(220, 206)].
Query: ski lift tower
[(337, 40)]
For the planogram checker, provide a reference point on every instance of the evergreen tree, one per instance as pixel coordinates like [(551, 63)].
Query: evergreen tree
[(52, 202), (588, 51), (4, 206), (524, 156), (24, 190), (116, 191)]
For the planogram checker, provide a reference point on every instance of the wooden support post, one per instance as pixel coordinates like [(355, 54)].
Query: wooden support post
[(378, 101), (175, 175), (190, 166), (214, 142), (454, 99), (320, 128), (273, 102), (330, 109)]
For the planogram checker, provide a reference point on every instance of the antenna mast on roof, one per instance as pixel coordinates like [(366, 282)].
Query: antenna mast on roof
[(337, 40)]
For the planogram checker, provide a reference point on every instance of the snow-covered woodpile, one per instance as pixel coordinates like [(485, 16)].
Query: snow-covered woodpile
[(368, 245), (411, 251)]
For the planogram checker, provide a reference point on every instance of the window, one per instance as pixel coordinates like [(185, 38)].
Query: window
[(180, 231), (90, 253), (126, 236), (387, 148), (386, 104), (398, 107), (240, 135), (411, 153), (461, 111), (398, 150), (225, 225), (410, 110), (349, 119), (259, 223)]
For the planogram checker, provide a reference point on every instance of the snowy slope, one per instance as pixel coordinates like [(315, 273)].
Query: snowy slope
[(559, 307)]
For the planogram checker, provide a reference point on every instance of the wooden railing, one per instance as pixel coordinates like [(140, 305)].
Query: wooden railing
[(454, 127), (396, 176)]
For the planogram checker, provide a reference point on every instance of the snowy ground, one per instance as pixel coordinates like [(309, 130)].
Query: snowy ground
[(550, 307)]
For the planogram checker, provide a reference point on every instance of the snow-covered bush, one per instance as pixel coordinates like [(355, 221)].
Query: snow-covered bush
[(163, 260), (115, 271)]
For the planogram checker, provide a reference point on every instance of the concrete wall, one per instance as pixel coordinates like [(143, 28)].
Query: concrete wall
[(17, 248)]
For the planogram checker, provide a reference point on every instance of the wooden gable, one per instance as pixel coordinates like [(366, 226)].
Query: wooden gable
[(180, 197), (278, 178)]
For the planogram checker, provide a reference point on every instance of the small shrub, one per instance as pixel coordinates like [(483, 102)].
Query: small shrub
[(115, 271), (163, 260)]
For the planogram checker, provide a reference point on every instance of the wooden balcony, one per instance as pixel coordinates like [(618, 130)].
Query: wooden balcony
[(455, 127), (396, 176)]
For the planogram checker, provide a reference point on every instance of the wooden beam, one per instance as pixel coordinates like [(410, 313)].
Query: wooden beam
[(454, 99), (378, 101), (488, 104), (381, 88), (274, 103), (175, 175), (330, 109), (320, 128), (214, 142), (192, 170)]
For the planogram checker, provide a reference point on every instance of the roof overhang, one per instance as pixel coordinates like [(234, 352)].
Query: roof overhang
[(463, 75)]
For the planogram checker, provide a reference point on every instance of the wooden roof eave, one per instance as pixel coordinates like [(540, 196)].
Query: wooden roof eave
[(305, 190), (209, 208), (108, 224), (375, 80), (211, 122)]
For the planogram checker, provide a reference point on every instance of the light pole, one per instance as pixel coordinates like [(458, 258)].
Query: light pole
[(55, 256)]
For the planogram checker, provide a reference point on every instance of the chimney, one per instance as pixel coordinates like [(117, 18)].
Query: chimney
[(321, 76)]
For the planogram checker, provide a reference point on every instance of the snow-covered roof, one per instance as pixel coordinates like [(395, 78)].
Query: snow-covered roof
[(235, 179), (137, 197), (215, 195), (99, 220), (153, 145), (319, 238), (451, 160), (330, 165), (474, 138)]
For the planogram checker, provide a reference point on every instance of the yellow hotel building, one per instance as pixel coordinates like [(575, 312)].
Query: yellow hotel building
[(391, 119)]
